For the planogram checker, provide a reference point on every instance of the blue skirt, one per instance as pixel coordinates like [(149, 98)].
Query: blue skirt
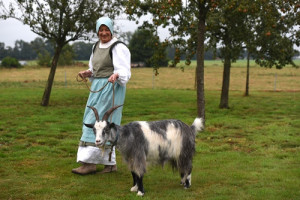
[(102, 101)]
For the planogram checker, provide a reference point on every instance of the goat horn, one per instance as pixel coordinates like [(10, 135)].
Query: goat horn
[(95, 112), (108, 113)]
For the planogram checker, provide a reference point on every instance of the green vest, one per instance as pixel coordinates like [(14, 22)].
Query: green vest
[(102, 63)]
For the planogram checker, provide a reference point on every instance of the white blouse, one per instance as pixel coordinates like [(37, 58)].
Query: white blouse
[(121, 61)]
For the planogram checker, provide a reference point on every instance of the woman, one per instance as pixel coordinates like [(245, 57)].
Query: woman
[(103, 69)]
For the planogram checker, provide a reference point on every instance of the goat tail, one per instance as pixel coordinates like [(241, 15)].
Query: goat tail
[(198, 125)]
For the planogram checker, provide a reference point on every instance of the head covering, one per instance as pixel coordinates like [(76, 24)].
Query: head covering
[(105, 21)]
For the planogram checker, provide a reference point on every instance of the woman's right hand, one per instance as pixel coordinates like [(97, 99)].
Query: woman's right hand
[(84, 74)]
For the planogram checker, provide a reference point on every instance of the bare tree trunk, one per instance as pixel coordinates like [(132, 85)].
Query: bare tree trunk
[(225, 84), (48, 88), (247, 75), (200, 66)]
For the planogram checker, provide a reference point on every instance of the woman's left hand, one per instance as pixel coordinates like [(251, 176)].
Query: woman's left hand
[(113, 78)]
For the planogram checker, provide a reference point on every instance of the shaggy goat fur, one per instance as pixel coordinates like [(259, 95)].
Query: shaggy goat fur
[(156, 142)]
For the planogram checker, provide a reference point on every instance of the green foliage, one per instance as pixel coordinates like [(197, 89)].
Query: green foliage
[(180, 20), (23, 50), (267, 28), (44, 58), (226, 27), (276, 33), (9, 62), (139, 46), (186, 24), (67, 56), (143, 48), (82, 50)]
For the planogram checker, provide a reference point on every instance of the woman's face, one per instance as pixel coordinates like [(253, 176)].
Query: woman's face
[(104, 34)]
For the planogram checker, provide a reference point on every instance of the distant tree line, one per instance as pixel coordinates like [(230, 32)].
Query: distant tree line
[(141, 51), (139, 45), (39, 48), (43, 51)]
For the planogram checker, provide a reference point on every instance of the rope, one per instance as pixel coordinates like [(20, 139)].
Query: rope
[(85, 81)]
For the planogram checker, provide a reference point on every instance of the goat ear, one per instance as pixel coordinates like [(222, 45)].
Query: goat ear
[(89, 125), (112, 125)]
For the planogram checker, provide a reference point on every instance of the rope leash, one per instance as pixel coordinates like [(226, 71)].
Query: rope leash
[(85, 81), (112, 146)]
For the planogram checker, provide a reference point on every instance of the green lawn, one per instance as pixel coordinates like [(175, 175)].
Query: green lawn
[(250, 151)]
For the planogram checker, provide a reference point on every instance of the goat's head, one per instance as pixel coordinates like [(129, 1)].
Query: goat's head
[(103, 129)]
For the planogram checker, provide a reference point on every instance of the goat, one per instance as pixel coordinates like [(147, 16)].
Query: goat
[(141, 143)]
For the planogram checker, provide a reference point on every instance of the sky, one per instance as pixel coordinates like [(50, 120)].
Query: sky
[(12, 30)]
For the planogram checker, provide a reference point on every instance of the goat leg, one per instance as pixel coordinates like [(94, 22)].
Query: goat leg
[(135, 186), (141, 191), (186, 180)]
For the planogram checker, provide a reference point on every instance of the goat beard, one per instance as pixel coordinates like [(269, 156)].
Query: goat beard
[(102, 148)]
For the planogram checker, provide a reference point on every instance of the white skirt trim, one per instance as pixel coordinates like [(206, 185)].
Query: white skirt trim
[(94, 155)]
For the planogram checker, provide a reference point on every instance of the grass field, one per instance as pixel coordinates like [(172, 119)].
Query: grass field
[(261, 79), (250, 151)]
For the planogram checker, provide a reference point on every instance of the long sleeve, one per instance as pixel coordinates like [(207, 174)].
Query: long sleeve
[(121, 62)]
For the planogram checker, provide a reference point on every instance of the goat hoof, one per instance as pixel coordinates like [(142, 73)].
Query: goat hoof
[(134, 188), (140, 193)]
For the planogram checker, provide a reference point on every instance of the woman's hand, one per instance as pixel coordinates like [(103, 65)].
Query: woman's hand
[(113, 78), (84, 74)]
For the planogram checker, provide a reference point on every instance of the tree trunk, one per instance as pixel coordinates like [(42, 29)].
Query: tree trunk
[(48, 88), (200, 66), (247, 75), (225, 84)]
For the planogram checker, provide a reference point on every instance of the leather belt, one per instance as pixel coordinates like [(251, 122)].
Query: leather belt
[(85, 144)]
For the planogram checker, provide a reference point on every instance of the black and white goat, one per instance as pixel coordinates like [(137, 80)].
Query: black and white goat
[(143, 142)]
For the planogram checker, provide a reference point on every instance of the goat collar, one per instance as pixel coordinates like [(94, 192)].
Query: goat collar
[(117, 137), (113, 144)]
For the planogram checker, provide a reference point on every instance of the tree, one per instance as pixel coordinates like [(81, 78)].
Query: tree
[(38, 45), (139, 46), (3, 51), (125, 36), (82, 50), (186, 22), (23, 51), (276, 34), (238, 23), (227, 28), (67, 56), (44, 58), (142, 47), (271, 34), (10, 62), (60, 21)]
